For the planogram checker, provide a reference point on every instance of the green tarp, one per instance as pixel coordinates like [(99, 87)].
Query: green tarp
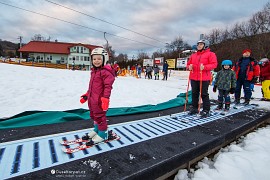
[(34, 118)]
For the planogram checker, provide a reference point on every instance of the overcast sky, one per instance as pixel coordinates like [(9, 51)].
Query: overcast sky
[(161, 20)]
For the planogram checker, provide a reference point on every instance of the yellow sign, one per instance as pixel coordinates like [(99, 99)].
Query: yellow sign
[(171, 63)]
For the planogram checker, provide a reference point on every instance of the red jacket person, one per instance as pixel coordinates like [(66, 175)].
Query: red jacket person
[(246, 70), (200, 64), (98, 95)]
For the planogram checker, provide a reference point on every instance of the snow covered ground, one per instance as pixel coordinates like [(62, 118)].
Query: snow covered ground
[(26, 88), (31, 88), (246, 160)]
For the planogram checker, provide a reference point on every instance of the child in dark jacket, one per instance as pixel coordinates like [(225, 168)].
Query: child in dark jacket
[(149, 71), (98, 95), (156, 72), (225, 82)]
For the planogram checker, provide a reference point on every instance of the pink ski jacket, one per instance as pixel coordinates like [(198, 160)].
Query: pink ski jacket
[(100, 85), (205, 57)]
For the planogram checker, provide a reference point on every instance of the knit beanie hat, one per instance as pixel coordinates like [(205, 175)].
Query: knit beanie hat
[(246, 50)]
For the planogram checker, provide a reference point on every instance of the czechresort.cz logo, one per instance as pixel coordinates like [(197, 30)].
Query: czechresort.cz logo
[(68, 173)]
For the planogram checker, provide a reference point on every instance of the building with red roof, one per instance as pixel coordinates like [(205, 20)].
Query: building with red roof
[(72, 54)]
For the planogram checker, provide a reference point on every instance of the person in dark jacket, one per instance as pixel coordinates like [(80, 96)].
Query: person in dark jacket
[(98, 95), (225, 82), (156, 72), (149, 70), (247, 71), (165, 70)]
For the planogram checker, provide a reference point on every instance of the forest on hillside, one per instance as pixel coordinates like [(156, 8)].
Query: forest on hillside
[(8, 48)]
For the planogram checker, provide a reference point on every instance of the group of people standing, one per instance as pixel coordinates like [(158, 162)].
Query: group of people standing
[(229, 80), (149, 70)]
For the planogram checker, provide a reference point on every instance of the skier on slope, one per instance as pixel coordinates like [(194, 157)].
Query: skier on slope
[(225, 82), (200, 64), (98, 95)]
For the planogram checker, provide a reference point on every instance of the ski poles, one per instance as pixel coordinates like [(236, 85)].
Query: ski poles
[(185, 107), (200, 96)]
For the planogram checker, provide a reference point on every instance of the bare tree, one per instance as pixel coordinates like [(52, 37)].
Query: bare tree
[(1, 51), (225, 35), (111, 52), (158, 53), (38, 37), (142, 55), (121, 58)]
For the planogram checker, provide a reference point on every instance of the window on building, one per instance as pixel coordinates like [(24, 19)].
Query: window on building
[(88, 59), (81, 58), (50, 57), (77, 58), (81, 49), (85, 58), (78, 49), (84, 49)]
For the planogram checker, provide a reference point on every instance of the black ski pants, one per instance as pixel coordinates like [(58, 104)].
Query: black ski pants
[(195, 87), (223, 95), (165, 75)]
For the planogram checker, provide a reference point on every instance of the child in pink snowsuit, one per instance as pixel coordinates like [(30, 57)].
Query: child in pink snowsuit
[(98, 95)]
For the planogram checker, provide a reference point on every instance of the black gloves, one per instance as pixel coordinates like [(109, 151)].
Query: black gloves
[(215, 89), (254, 80)]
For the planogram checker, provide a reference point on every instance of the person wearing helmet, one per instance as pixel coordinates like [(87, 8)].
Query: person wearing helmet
[(200, 65), (265, 78), (225, 82), (247, 71), (98, 95)]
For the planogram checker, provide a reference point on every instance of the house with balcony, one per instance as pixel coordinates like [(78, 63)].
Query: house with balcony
[(59, 53)]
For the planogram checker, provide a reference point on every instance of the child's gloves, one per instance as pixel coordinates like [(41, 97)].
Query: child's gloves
[(215, 89), (105, 103), (254, 79), (232, 90), (84, 98)]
